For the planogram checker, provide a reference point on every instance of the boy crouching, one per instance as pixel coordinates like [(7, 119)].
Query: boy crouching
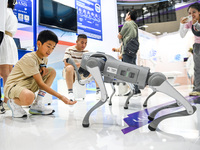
[(29, 75)]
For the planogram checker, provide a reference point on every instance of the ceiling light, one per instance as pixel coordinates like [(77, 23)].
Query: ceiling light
[(122, 15), (144, 8), (157, 33), (144, 26)]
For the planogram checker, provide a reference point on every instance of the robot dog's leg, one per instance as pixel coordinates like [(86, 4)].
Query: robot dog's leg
[(130, 95), (158, 82), (114, 90), (153, 125), (85, 122), (153, 114), (145, 103), (95, 72)]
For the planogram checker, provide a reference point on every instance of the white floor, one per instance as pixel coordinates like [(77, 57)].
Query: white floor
[(64, 131)]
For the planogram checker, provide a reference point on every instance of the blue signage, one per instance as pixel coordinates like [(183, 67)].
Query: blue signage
[(89, 18), (23, 11)]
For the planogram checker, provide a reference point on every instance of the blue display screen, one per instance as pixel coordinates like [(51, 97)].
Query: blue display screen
[(23, 11), (89, 18)]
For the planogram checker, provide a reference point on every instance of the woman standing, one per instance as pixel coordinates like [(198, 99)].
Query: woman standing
[(185, 24), (8, 48)]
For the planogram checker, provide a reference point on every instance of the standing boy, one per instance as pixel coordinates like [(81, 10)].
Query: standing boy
[(29, 75)]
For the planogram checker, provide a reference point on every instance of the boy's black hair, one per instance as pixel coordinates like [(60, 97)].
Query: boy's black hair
[(11, 4), (195, 6), (82, 36), (47, 35), (133, 14)]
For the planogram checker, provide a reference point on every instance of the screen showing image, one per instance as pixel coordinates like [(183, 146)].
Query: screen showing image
[(57, 15)]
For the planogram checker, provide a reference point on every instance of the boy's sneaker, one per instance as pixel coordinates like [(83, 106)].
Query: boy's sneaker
[(2, 110), (40, 109), (195, 93), (71, 96), (6, 106), (17, 111)]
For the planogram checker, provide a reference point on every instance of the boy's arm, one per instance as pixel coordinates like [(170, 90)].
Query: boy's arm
[(123, 31), (68, 55), (49, 90), (66, 64)]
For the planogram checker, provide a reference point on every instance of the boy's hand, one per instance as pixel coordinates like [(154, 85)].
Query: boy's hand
[(67, 101), (120, 57), (78, 65), (43, 71), (115, 49)]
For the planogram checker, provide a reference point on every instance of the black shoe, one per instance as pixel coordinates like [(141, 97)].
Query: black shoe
[(2, 110), (137, 93)]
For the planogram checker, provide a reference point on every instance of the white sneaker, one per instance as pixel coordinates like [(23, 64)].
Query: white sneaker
[(6, 106), (17, 111), (2, 109), (40, 109), (71, 96), (98, 95)]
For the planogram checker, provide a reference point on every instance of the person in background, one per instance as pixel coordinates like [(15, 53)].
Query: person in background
[(190, 66), (8, 48), (30, 75), (185, 25), (128, 31), (75, 52)]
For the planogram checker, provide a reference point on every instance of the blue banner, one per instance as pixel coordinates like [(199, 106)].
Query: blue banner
[(23, 11), (89, 18)]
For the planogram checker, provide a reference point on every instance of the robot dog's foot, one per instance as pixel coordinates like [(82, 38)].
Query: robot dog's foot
[(86, 125), (153, 125)]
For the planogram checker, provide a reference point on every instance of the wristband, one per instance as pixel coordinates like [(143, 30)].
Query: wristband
[(43, 65)]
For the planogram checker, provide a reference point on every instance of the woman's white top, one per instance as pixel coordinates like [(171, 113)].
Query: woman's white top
[(187, 26), (3, 7), (8, 48)]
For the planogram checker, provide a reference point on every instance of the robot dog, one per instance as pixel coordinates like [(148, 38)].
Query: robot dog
[(106, 69)]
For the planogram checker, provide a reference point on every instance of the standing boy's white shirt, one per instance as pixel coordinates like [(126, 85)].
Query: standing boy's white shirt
[(3, 8)]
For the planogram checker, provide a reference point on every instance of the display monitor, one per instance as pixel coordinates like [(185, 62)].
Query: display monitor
[(57, 15)]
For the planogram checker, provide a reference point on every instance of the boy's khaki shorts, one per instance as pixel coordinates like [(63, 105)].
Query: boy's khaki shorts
[(15, 91)]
